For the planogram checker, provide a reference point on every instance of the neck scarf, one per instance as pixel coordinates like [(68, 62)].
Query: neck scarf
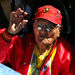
[(38, 60)]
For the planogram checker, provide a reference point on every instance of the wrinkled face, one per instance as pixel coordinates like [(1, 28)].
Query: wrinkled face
[(45, 32)]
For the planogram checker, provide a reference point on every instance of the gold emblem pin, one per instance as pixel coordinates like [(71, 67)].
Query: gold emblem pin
[(46, 9), (59, 12)]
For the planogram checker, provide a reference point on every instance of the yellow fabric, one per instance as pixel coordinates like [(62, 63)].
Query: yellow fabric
[(41, 58), (30, 70), (52, 57), (53, 54)]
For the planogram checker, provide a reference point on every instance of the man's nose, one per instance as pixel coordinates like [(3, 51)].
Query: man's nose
[(44, 30), (44, 33)]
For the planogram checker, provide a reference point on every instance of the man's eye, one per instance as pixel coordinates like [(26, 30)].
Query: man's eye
[(47, 29), (39, 28)]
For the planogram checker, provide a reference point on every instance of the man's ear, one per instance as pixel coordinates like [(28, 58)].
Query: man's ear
[(60, 27), (59, 30)]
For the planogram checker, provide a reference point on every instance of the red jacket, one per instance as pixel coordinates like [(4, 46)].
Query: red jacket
[(18, 52)]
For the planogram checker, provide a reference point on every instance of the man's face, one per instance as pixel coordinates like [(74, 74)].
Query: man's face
[(45, 32)]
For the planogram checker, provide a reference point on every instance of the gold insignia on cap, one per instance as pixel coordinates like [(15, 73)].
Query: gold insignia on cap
[(59, 12), (46, 9), (57, 16)]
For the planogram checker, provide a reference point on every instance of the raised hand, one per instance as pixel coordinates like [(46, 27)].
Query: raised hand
[(17, 21)]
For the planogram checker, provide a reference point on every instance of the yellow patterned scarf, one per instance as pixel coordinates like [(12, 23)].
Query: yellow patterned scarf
[(39, 59)]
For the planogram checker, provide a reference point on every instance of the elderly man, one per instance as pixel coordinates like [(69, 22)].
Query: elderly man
[(40, 53)]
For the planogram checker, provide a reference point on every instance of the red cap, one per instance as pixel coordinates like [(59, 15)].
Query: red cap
[(50, 13)]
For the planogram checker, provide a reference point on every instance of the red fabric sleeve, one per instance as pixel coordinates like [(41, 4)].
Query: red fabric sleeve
[(4, 45), (10, 48), (65, 56), (66, 65)]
